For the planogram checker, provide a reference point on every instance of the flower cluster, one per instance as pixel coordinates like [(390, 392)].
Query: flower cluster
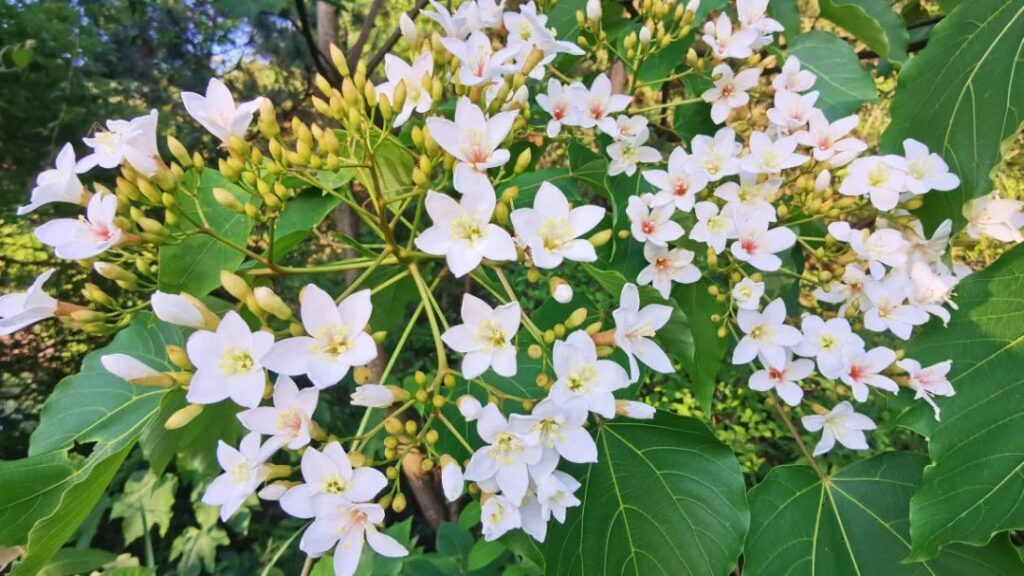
[(780, 195)]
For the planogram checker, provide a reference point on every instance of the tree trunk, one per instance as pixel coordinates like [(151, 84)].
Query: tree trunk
[(343, 217)]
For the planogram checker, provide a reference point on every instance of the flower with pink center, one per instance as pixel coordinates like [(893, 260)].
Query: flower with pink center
[(758, 245), (791, 110), (473, 138), (84, 237), (652, 225), (598, 104), (729, 90), (865, 369), (928, 382), (559, 103), (679, 184), (829, 142), (783, 380)]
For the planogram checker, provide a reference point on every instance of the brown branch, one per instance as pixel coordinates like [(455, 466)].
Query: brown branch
[(320, 60), (423, 488), (392, 40), (364, 33)]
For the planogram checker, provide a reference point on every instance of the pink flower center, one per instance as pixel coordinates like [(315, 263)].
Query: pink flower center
[(648, 227), (749, 245)]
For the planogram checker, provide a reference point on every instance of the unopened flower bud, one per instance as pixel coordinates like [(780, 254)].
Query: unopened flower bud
[(469, 407), (408, 28), (523, 162), (645, 36), (178, 357), (578, 316), (601, 238), (339, 60), (632, 409), (269, 301), (235, 285), (182, 417), (561, 291), (228, 200), (594, 10)]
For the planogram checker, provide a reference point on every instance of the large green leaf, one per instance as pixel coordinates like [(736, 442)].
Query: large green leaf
[(301, 215), (962, 96), (787, 13), (96, 406), (853, 523), (85, 487), (699, 306), (194, 264), (665, 497), (94, 412), (873, 22), (842, 83), (974, 487)]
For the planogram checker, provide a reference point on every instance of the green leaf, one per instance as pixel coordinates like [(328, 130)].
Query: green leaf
[(973, 488), (842, 83), (96, 406), (301, 215), (146, 502), (854, 523), (453, 540), (54, 529), (71, 561), (787, 13), (704, 364), (483, 554), (962, 96), (665, 497), (194, 264), (873, 22), (694, 118), (31, 485), (196, 549)]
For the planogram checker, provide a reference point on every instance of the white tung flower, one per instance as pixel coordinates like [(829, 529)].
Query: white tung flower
[(791, 110), (881, 178), (666, 266), (724, 43), (792, 78), (559, 102), (480, 63), (766, 335), (132, 141), (21, 309), (580, 374), (598, 104), (865, 369), (417, 80), (330, 473), (712, 228), (507, 457), (244, 470), (829, 342), (217, 111), (926, 171), (473, 138), (336, 339), (634, 329), (58, 184), (348, 525), (842, 424), (771, 157), (289, 421), (678, 185), (627, 153), (715, 156), (995, 217), (228, 363), (461, 230), (829, 142), (747, 294), (889, 308), (729, 91), (750, 198), (928, 382), (498, 515), (84, 237), (653, 225), (784, 380), (551, 230), (558, 427), (485, 337), (757, 245)]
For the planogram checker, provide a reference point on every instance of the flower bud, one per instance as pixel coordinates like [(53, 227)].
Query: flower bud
[(469, 407), (601, 238), (645, 36), (637, 410), (228, 200), (561, 291), (408, 28), (339, 60), (594, 10), (182, 417), (535, 351), (235, 285), (523, 162), (578, 316), (269, 301), (178, 357), (378, 396)]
